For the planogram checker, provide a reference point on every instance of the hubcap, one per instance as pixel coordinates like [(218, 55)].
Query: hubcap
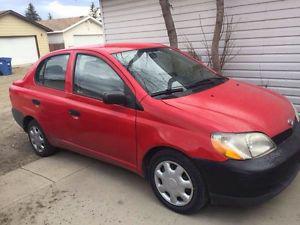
[(37, 139), (173, 183)]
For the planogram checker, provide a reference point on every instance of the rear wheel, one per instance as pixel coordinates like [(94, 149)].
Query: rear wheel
[(38, 140), (176, 182)]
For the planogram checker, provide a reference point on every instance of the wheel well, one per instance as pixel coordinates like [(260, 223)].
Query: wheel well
[(26, 121), (151, 153)]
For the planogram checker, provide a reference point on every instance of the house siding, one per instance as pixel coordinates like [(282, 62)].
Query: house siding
[(13, 26), (267, 35)]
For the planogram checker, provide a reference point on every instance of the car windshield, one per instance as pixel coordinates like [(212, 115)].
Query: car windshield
[(166, 72)]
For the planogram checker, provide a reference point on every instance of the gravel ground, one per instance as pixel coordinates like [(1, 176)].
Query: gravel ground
[(15, 149)]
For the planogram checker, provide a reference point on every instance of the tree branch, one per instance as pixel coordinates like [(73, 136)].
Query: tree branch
[(166, 11), (217, 36)]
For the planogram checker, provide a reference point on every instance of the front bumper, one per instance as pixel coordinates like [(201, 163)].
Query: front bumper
[(253, 181)]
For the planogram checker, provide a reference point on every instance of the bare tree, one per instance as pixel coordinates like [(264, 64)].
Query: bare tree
[(166, 11), (229, 45), (205, 44), (191, 50), (216, 63), (228, 49), (95, 11), (50, 17)]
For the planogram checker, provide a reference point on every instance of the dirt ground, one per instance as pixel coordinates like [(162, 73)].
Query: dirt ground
[(15, 149)]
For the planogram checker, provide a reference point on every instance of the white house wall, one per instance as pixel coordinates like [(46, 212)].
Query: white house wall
[(85, 28), (267, 35)]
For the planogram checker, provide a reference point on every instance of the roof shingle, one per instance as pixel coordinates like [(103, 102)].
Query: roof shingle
[(61, 24)]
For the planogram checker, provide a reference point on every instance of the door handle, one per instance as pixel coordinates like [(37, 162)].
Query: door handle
[(36, 102), (74, 113)]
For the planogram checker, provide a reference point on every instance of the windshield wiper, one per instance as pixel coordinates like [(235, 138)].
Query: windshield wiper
[(206, 82), (166, 92)]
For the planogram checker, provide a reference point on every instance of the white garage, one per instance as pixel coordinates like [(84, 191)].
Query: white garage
[(22, 50), (74, 31), (88, 39), (21, 39)]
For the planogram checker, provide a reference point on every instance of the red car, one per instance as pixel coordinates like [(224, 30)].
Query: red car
[(197, 136)]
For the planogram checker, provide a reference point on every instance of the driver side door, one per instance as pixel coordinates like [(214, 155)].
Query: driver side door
[(103, 130)]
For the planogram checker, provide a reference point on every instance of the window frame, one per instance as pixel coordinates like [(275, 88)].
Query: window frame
[(43, 63), (180, 94), (74, 70)]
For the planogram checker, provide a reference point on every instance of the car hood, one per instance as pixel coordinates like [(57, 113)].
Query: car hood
[(238, 107)]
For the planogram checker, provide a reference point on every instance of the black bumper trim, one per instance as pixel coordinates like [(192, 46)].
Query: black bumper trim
[(18, 116), (251, 201), (253, 181)]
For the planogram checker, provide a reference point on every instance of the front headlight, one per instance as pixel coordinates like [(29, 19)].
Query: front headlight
[(296, 112), (242, 146)]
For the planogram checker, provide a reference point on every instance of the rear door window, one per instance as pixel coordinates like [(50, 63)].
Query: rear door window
[(52, 72)]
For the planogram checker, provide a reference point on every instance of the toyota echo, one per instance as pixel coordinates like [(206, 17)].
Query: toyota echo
[(196, 136)]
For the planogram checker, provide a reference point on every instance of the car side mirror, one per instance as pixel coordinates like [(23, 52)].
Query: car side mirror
[(117, 98)]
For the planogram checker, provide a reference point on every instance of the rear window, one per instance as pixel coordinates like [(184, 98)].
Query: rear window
[(52, 72)]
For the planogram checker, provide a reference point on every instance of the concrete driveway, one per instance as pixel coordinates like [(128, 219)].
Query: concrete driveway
[(68, 188)]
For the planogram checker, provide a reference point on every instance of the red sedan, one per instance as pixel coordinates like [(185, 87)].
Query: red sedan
[(197, 136)]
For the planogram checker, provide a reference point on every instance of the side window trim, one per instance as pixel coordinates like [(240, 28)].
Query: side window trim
[(40, 67), (136, 106), (43, 71), (74, 71), (43, 64)]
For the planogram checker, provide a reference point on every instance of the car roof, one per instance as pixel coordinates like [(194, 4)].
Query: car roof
[(119, 47)]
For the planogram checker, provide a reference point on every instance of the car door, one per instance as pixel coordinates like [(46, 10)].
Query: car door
[(49, 95), (104, 130)]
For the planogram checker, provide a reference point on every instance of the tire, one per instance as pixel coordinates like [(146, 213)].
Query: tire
[(39, 140), (180, 187)]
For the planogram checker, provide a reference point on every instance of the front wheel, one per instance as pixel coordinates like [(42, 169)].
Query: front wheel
[(38, 140), (176, 182)]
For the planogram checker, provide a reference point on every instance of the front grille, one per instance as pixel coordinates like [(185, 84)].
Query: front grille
[(278, 139)]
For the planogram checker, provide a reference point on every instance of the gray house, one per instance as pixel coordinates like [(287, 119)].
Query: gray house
[(267, 35)]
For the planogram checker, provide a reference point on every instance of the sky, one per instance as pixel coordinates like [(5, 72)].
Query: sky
[(58, 8)]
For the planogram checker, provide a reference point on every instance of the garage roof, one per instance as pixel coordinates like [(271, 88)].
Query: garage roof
[(61, 24), (65, 24), (11, 12)]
